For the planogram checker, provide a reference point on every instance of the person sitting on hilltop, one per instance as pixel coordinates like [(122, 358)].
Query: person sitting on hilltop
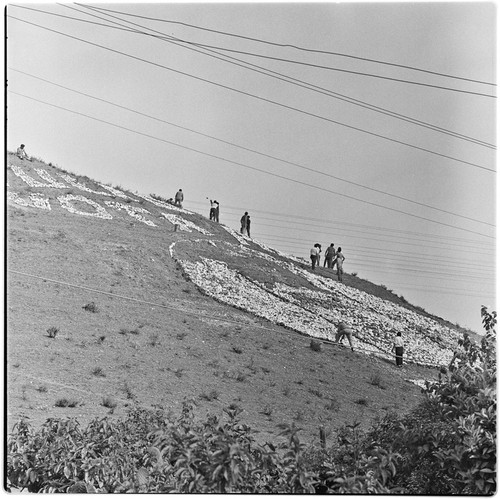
[(179, 198), (21, 153)]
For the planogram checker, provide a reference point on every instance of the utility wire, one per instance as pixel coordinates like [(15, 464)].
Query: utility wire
[(388, 253), (252, 150), (280, 76), (329, 227), (349, 224), (318, 66), (250, 167), (259, 40), (253, 95), (348, 237)]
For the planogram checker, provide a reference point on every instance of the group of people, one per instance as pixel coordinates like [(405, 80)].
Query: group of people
[(345, 331), (332, 258), (245, 224)]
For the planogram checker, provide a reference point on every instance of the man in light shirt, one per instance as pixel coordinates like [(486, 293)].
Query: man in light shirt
[(314, 256), (398, 348)]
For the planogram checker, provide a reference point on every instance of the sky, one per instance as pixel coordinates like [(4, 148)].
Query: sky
[(369, 125)]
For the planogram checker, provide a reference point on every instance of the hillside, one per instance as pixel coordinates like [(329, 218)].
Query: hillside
[(153, 304)]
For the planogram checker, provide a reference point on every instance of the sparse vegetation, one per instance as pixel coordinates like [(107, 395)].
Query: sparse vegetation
[(181, 336), (376, 380), (154, 340), (332, 405), (109, 402), (316, 345), (212, 395), (97, 371), (91, 307), (316, 392), (52, 332), (64, 402), (362, 401), (128, 391), (267, 411)]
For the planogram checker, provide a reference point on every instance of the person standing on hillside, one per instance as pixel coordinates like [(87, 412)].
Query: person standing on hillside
[(214, 205), (216, 211), (329, 256), (339, 260), (318, 258), (179, 198), (21, 153), (314, 256), (344, 330), (398, 348), (248, 226), (243, 221)]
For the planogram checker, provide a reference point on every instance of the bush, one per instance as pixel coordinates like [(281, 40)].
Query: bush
[(149, 453), (52, 332)]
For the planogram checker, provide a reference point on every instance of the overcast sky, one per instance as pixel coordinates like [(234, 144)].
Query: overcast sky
[(318, 145)]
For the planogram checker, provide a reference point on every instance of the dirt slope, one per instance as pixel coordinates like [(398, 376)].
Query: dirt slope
[(155, 337)]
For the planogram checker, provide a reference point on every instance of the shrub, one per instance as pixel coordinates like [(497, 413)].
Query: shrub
[(212, 395), (64, 402), (376, 380), (109, 402), (97, 371), (316, 345), (150, 452), (52, 331), (91, 307)]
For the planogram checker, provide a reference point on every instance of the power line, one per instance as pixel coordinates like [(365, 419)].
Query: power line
[(328, 68), (388, 253), (349, 224), (277, 75), (357, 256), (253, 150), (256, 96), (324, 228), (294, 46), (340, 232), (251, 167)]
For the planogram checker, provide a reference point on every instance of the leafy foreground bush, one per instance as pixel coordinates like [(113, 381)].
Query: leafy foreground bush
[(445, 446)]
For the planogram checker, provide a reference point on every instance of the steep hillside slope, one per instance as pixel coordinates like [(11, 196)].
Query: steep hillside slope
[(153, 303)]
